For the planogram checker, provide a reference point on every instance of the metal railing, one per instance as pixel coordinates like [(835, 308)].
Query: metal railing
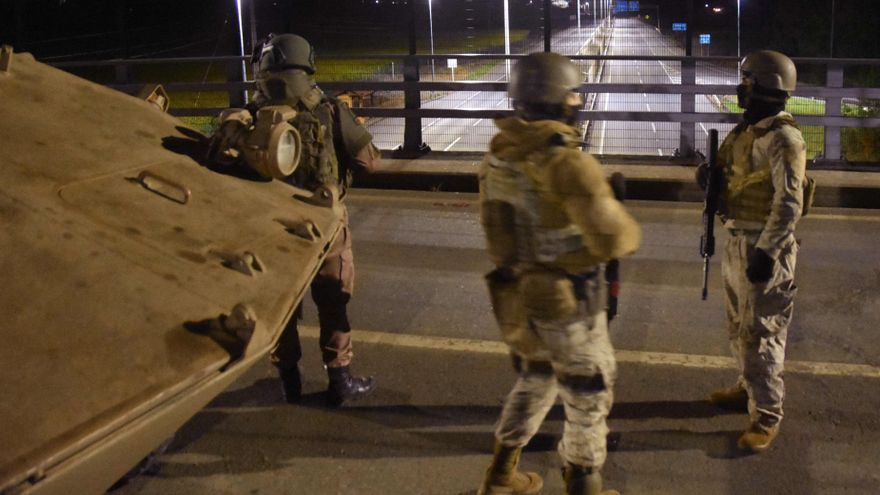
[(405, 100)]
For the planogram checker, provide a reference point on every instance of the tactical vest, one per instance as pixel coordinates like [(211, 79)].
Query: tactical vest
[(544, 234), (749, 192), (319, 162)]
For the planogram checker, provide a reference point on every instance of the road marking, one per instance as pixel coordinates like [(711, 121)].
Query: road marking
[(653, 127), (623, 356), (477, 122), (704, 129), (502, 100), (649, 106), (659, 152), (452, 144)]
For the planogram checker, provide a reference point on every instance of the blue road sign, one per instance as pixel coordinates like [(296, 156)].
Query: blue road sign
[(705, 39), (679, 26)]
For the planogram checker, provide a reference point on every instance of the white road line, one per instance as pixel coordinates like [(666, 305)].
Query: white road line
[(452, 144), (659, 152), (623, 356), (704, 129), (649, 106), (477, 122), (653, 127)]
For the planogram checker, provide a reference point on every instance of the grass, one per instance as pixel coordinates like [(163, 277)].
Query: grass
[(859, 144)]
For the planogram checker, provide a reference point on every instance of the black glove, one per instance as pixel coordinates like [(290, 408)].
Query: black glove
[(760, 267), (701, 175)]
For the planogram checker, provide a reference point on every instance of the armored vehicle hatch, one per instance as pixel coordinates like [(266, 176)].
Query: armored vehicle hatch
[(136, 283)]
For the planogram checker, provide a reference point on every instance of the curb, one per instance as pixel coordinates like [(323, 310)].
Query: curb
[(646, 180)]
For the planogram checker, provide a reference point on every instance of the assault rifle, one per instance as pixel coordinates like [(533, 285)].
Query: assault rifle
[(612, 268), (710, 207)]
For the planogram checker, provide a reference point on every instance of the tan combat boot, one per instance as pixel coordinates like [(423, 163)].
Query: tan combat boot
[(758, 437), (581, 480), (734, 398), (502, 477)]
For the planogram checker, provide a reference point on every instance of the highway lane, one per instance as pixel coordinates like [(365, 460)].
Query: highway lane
[(421, 258), (443, 134), (423, 327)]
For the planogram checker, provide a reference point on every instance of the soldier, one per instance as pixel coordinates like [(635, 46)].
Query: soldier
[(333, 144), (550, 219), (764, 162)]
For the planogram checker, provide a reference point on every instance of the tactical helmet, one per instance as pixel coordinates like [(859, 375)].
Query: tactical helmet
[(771, 70), (544, 77), (284, 51)]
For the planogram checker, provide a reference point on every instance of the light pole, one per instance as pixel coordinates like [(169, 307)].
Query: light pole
[(241, 43), (507, 37), (431, 28), (738, 55)]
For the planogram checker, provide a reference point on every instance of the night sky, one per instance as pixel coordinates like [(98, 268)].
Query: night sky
[(90, 29)]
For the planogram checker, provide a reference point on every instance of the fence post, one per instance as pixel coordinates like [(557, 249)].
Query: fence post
[(548, 30), (687, 130), (833, 150), (412, 100), (235, 73)]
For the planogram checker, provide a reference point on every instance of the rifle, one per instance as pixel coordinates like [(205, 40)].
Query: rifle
[(710, 207), (612, 268)]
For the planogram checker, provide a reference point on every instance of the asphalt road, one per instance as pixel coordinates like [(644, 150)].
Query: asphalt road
[(423, 327), (472, 134), (630, 37), (633, 37)]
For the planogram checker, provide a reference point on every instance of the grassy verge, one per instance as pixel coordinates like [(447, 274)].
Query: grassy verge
[(859, 144)]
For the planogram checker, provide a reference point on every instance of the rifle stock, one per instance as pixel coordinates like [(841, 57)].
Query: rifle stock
[(710, 207)]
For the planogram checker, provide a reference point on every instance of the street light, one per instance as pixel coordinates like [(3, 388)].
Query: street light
[(507, 37), (431, 27), (241, 43)]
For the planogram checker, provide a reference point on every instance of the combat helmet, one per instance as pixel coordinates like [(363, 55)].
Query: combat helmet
[(284, 51), (544, 78), (770, 70)]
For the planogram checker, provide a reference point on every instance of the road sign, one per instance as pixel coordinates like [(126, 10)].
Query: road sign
[(451, 63), (705, 39), (679, 26)]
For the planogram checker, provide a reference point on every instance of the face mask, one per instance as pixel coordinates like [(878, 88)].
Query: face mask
[(743, 95), (285, 85)]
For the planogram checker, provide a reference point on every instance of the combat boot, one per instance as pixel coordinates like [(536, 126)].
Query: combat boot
[(758, 437), (344, 387), (733, 398), (581, 480), (502, 477), (291, 384)]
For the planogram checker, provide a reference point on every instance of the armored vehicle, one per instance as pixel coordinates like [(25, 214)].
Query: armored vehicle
[(137, 283)]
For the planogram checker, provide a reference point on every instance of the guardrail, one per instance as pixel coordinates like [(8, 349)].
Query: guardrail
[(408, 81)]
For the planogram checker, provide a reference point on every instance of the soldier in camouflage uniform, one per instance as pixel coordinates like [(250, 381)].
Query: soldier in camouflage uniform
[(764, 162), (550, 219), (334, 144)]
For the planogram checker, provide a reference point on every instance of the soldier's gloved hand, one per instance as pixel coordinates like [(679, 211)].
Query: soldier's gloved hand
[(701, 175), (760, 267)]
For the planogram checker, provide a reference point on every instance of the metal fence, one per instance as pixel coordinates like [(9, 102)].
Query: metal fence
[(643, 95)]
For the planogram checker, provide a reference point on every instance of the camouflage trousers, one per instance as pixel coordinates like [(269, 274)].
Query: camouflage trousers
[(577, 364), (758, 317)]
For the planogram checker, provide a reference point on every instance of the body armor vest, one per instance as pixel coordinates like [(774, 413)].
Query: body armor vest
[(543, 234), (314, 121), (749, 192)]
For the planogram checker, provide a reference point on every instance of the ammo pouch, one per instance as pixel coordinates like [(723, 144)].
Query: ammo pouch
[(507, 304)]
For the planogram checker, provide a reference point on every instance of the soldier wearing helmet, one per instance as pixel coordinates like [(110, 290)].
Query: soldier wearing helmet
[(551, 219), (764, 162), (334, 144)]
